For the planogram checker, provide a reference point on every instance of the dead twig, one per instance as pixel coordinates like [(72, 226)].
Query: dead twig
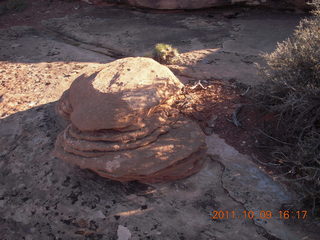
[(245, 92), (264, 163), (235, 120), (198, 84), (282, 174), (275, 139), (311, 168), (295, 179)]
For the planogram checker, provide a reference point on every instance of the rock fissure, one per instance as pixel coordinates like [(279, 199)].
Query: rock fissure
[(261, 230), (62, 37)]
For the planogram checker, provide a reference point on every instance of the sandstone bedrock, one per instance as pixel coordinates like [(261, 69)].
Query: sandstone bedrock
[(197, 4)]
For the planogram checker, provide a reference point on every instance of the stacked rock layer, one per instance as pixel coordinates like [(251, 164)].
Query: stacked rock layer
[(122, 125), (196, 4)]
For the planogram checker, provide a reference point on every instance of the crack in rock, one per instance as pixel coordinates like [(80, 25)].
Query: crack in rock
[(261, 230)]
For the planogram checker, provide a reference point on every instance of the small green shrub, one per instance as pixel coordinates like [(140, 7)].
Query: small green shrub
[(295, 62), (165, 53), (292, 91)]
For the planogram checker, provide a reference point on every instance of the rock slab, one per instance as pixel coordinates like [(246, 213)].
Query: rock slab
[(197, 4)]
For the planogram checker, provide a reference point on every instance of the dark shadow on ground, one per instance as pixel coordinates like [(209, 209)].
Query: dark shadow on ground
[(42, 196)]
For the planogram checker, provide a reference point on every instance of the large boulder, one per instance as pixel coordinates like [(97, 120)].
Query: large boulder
[(123, 126), (120, 95)]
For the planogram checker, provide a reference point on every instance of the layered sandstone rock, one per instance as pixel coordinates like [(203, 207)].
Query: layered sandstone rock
[(196, 4), (181, 4), (122, 125)]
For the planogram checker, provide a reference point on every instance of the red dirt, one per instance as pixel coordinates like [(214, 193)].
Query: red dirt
[(220, 100)]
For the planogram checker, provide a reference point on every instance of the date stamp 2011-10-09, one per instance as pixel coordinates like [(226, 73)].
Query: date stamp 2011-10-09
[(281, 214)]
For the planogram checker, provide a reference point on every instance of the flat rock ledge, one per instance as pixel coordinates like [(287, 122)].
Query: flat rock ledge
[(198, 4), (122, 125)]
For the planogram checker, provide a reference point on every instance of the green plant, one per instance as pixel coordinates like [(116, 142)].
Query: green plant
[(292, 91), (165, 53)]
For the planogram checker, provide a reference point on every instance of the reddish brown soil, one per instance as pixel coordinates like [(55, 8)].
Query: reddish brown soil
[(219, 101)]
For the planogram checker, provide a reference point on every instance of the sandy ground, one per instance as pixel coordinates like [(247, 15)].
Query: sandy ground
[(42, 197)]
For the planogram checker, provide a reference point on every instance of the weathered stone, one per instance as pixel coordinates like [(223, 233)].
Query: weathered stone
[(128, 98), (144, 163), (196, 4), (123, 233), (123, 126)]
